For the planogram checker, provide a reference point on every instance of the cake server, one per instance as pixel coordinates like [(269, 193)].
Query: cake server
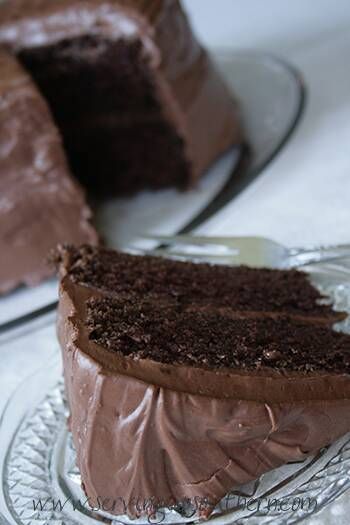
[(271, 96), (251, 251)]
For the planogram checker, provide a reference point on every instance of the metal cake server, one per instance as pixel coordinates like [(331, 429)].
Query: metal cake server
[(271, 95), (252, 251)]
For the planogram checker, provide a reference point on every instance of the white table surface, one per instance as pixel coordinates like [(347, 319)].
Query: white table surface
[(303, 196)]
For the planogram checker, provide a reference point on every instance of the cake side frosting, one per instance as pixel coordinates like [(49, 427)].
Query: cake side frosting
[(39, 201)]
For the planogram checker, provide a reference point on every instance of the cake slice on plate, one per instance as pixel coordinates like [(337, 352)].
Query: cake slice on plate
[(186, 380)]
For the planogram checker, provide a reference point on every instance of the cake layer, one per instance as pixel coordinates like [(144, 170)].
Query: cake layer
[(203, 285), (40, 204), (169, 402), (94, 59), (169, 333)]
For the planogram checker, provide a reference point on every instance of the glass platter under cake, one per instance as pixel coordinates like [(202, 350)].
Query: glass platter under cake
[(37, 459)]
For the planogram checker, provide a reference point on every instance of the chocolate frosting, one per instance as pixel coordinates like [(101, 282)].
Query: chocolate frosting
[(40, 204), (145, 430), (195, 99)]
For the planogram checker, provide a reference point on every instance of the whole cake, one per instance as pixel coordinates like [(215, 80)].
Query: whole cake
[(186, 380), (135, 97)]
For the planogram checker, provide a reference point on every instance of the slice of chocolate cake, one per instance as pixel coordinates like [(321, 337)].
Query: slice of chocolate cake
[(40, 205), (136, 98), (186, 380)]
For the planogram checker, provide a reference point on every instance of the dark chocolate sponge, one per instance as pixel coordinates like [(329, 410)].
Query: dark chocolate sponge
[(167, 333), (201, 286)]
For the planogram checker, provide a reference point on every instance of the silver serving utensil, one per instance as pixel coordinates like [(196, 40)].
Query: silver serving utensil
[(251, 251)]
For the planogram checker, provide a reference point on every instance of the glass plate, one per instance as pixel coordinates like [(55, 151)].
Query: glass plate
[(41, 484)]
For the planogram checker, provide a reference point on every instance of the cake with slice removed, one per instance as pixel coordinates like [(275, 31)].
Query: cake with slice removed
[(186, 380), (137, 102), (137, 99), (40, 204)]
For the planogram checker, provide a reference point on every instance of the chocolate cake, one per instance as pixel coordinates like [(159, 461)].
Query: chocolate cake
[(186, 380), (40, 204), (136, 98)]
